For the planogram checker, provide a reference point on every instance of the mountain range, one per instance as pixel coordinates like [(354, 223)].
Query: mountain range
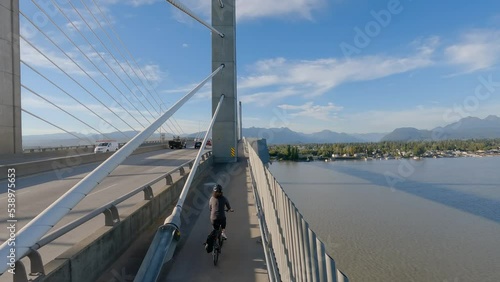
[(466, 128)]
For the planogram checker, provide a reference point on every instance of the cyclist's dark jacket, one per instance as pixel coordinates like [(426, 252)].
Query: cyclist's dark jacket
[(217, 207)]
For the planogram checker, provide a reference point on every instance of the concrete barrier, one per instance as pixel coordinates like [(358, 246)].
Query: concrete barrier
[(63, 163), (57, 152), (87, 260)]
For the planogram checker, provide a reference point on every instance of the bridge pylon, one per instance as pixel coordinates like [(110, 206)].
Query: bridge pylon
[(225, 130), (10, 79)]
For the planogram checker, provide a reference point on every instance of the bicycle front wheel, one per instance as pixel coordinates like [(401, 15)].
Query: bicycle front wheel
[(216, 255)]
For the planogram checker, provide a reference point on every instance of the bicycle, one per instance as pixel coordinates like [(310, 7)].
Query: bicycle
[(219, 241)]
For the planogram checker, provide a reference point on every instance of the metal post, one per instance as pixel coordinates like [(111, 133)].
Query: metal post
[(161, 111), (240, 135), (307, 249), (291, 249), (330, 269), (320, 254), (10, 77), (314, 257)]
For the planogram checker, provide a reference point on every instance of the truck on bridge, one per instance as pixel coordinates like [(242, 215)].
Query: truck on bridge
[(177, 143)]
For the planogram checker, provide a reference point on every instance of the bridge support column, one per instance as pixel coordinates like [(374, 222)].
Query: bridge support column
[(224, 133), (10, 80)]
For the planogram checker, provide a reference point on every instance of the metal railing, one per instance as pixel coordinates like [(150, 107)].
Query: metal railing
[(295, 250), (110, 212)]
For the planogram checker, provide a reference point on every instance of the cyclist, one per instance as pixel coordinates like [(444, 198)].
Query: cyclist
[(217, 213)]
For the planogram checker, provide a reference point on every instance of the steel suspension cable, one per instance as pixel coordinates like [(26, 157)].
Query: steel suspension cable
[(135, 62), (116, 48), (53, 104), (78, 65), (40, 118), (76, 100), (128, 51), (175, 121), (127, 61), (90, 60), (70, 77), (117, 62), (107, 49), (104, 45), (192, 15)]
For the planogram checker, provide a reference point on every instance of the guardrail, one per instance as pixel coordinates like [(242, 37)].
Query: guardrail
[(295, 250), (38, 149), (60, 148), (110, 212)]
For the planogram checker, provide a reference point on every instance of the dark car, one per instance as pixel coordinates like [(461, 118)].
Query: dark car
[(197, 144)]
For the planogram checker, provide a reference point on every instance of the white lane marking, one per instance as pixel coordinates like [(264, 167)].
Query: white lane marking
[(103, 189)]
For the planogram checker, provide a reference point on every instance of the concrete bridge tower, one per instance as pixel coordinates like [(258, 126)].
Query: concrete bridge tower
[(224, 133), (10, 79)]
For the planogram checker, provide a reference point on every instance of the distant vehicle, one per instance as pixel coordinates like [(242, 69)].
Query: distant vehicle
[(197, 144), (177, 143), (106, 146), (209, 142)]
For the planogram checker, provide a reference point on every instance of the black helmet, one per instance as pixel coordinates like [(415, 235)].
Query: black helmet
[(217, 188)]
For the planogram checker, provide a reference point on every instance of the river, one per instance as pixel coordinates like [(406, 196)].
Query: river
[(403, 220)]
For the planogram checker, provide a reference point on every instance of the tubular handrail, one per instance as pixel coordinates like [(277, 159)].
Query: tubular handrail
[(300, 255)]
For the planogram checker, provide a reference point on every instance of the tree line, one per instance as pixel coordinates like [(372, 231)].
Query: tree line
[(395, 148)]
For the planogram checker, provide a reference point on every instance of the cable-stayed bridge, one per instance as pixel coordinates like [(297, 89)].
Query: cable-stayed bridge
[(154, 200)]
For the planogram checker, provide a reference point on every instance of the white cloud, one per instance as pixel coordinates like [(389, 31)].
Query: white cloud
[(478, 49), (254, 9), (313, 111), (152, 72), (135, 3), (309, 78), (185, 45), (374, 121), (35, 59), (262, 8), (263, 98)]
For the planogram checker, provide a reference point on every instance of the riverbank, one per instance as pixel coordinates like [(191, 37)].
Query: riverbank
[(429, 154)]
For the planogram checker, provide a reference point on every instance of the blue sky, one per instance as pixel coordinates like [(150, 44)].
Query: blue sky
[(346, 66)]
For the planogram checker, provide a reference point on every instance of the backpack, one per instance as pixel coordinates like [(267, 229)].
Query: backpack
[(209, 243)]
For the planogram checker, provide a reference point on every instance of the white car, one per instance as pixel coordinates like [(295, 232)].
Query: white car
[(106, 147)]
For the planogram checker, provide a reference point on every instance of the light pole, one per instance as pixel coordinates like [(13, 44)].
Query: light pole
[(162, 137)]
